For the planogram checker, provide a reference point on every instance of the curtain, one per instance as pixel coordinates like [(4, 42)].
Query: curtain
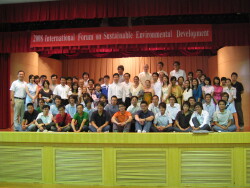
[(88, 9), (4, 91)]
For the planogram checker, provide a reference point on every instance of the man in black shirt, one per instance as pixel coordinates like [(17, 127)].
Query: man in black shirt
[(29, 118), (238, 105)]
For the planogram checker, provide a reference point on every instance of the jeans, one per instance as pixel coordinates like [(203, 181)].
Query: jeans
[(65, 129), (19, 108), (31, 127), (168, 129), (125, 128), (104, 129), (197, 124), (145, 127), (231, 128), (176, 129), (48, 127), (85, 128)]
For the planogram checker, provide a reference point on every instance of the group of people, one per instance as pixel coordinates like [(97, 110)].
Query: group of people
[(155, 102)]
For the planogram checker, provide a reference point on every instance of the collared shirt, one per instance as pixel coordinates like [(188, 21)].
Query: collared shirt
[(52, 87), (163, 72), (178, 74), (183, 119), (144, 115), (133, 109), (66, 118), (116, 89), (231, 92), (79, 118), (70, 109), (157, 86), (45, 119), (186, 94), (111, 109), (62, 91), (54, 109), (222, 117), (173, 110), (122, 117), (19, 88), (210, 108), (162, 120), (105, 89), (203, 118), (30, 116), (127, 87), (100, 119), (207, 89), (229, 106), (197, 93), (143, 76), (121, 78), (153, 108)]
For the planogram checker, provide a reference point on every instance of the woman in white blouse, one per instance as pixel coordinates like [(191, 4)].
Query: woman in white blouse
[(166, 89), (136, 89), (207, 88), (188, 92)]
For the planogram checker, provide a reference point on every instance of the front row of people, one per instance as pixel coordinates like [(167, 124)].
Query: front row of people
[(135, 118)]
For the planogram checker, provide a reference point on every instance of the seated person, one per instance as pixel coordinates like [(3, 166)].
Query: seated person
[(71, 107), (192, 102), (41, 102), (182, 119), (133, 109), (143, 118), (80, 120), (86, 96), (223, 119), (29, 118), (44, 120), (103, 99), (54, 107), (113, 107), (173, 107), (62, 121), (122, 119), (88, 108), (200, 118), (154, 106), (209, 106), (100, 119), (162, 121)]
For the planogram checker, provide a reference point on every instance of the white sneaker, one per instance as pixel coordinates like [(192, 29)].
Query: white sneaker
[(106, 131), (143, 131), (45, 130), (139, 131)]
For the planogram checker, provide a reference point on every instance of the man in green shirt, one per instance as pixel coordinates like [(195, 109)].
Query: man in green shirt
[(40, 105), (80, 120)]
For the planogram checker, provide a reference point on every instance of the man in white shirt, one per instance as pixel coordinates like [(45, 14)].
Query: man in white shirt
[(160, 66), (154, 106), (143, 76), (105, 86), (127, 85), (173, 107), (177, 72), (157, 85), (44, 120), (200, 118), (120, 70), (116, 89), (209, 106), (85, 77), (62, 90), (18, 95), (53, 82), (230, 90)]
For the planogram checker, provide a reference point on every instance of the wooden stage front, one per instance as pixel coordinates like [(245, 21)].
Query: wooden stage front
[(126, 159)]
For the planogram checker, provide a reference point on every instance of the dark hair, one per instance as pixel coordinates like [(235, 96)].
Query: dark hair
[(73, 97), (137, 77), (155, 73), (199, 70), (208, 79), (100, 79), (102, 95), (173, 97), (167, 78), (189, 87), (191, 73), (122, 103), (91, 80), (69, 78), (31, 76), (234, 73), (134, 97), (197, 83), (116, 74), (43, 76), (97, 85), (222, 101), (191, 98), (87, 95), (208, 94), (63, 77), (45, 106), (30, 104), (120, 67), (74, 77), (161, 63), (53, 75), (186, 103), (181, 77), (87, 101), (216, 78), (85, 73), (198, 104), (127, 74), (155, 96), (225, 93), (41, 99), (107, 76), (101, 103), (163, 105), (72, 87), (46, 81), (57, 97), (144, 102), (176, 62), (20, 71), (79, 105), (173, 78), (223, 79), (61, 106), (36, 77), (114, 97), (228, 79)]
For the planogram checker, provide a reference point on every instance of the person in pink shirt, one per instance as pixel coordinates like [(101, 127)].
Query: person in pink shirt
[(218, 89)]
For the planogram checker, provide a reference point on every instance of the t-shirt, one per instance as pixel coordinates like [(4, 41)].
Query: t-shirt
[(39, 110), (30, 116), (222, 117), (144, 115), (183, 119), (79, 118), (19, 88), (45, 119), (100, 119), (59, 118), (46, 95), (122, 117), (239, 88)]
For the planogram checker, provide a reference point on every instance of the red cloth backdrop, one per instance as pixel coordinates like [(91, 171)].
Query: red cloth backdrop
[(88, 9), (4, 91)]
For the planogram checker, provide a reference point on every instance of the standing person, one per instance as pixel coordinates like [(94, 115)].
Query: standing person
[(207, 88), (62, 121), (181, 82), (166, 89), (144, 118), (160, 66), (37, 81), (62, 90), (44, 120), (157, 85), (154, 106), (53, 82), (32, 91), (127, 85), (218, 89), (75, 79), (202, 80), (230, 90), (42, 79), (197, 91), (173, 107), (116, 89), (46, 93), (18, 95), (143, 76), (188, 92), (209, 106), (29, 118), (71, 107), (100, 119), (176, 90), (122, 119), (80, 120), (223, 119), (85, 77), (190, 77), (74, 91), (91, 86), (136, 89), (148, 92), (105, 86), (239, 91), (223, 81), (177, 72), (183, 118), (69, 81), (162, 121), (120, 70), (101, 80), (200, 118), (199, 72)]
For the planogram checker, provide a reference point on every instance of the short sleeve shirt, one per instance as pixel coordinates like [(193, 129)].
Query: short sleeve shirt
[(100, 119), (121, 117), (79, 118), (162, 120), (19, 88), (30, 116), (183, 119), (59, 118), (144, 115), (239, 88), (222, 117)]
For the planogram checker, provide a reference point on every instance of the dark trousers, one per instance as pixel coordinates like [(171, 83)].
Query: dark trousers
[(85, 128), (65, 102), (176, 129), (48, 127), (239, 111), (119, 100), (197, 124), (127, 102), (168, 129)]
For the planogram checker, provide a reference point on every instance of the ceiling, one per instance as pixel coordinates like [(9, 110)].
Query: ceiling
[(21, 1)]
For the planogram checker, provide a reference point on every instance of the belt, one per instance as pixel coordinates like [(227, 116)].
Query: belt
[(19, 98)]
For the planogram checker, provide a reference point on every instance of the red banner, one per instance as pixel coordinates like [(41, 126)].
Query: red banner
[(122, 35)]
